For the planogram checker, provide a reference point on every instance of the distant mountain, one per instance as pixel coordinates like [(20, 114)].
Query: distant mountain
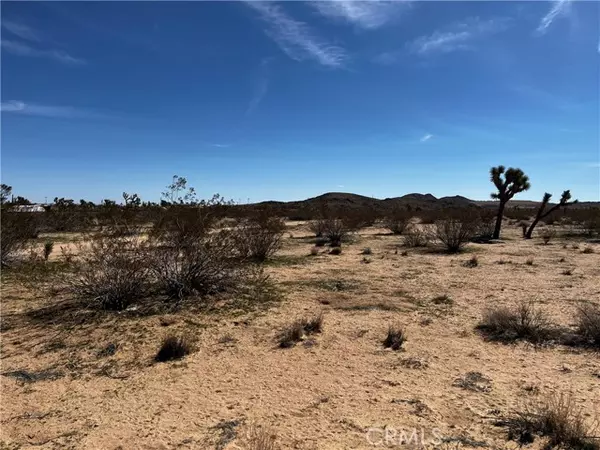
[(343, 200)]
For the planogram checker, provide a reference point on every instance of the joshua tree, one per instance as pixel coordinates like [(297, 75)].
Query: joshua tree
[(564, 202), (514, 181)]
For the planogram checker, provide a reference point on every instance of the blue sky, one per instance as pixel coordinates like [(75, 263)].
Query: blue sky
[(288, 100)]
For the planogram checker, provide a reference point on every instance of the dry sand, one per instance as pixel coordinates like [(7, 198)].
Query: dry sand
[(324, 393)]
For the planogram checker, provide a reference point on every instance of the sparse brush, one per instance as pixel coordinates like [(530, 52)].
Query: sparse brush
[(48, 247), (442, 300), (416, 237), (313, 325), (404, 253), (557, 418), (395, 338), (336, 251), (260, 439), (259, 239), (472, 262), (367, 251), (112, 271), (567, 272), (173, 347), (524, 322), (588, 324), (529, 261), (397, 220), (291, 334), (365, 260), (587, 250), (547, 235), (455, 233)]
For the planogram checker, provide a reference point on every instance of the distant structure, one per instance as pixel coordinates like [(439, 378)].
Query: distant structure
[(28, 208)]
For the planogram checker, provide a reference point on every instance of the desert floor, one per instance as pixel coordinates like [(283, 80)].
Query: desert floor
[(326, 392)]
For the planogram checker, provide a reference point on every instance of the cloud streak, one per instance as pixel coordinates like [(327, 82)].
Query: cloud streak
[(559, 8), (22, 31), (21, 49), (426, 138), (261, 87), (55, 112), (459, 36), (363, 14), (295, 38)]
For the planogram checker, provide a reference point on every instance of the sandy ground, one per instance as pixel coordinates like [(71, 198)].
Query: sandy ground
[(325, 393)]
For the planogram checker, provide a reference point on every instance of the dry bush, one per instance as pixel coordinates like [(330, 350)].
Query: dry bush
[(336, 232), (547, 234), (395, 338), (318, 227), (472, 262), (203, 266), (587, 250), (455, 233), (111, 271), (558, 419), (259, 239), (173, 347), (16, 230), (294, 332), (524, 322), (397, 220), (588, 324), (529, 261), (260, 439), (416, 237)]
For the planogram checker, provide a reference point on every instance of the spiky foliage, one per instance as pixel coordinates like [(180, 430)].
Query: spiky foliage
[(509, 182), (564, 202)]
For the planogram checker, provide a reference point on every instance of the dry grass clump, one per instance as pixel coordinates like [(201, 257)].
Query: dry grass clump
[(523, 322), (558, 419), (295, 332), (395, 338), (588, 324), (529, 261), (587, 250), (472, 262), (259, 239), (473, 381), (173, 347)]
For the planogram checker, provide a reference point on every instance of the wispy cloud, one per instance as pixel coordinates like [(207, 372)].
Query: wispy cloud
[(426, 137), (295, 38), (560, 8), (220, 145), (261, 86), (21, 49), (458, 36), (57, 112), (21, 30), (364, 14)]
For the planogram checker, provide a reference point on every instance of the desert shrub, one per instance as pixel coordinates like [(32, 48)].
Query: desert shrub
[(455, 233), (367, 251), (587, 250), (294, 332), (17, 229), (523, 322), (335, 231), (48, 247), (182, 226), (416, 237), (397, 220), (205, 266), (260, 439), (395, 337), (547, 234), (259, 239), (111, 271), (318, 227), (588, 324), (568, 272), (173, 347), (472, 262), (556, 418)]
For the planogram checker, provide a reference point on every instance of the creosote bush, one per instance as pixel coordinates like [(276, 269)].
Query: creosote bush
[(395, 337), (397, 220), (17, 229), (455, 233), (588, 324), (415, 236), (522, 322), (558, 419), (173, 347), (259, 239), (111, 271)]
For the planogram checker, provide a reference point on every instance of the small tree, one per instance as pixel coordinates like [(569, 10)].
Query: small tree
[(564, 202), (514, 181)]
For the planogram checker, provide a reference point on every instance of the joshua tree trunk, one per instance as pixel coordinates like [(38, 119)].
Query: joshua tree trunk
[(531, 227), (499, 220), (564, 202)]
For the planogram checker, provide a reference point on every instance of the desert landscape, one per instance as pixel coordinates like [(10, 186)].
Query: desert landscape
[(344, 333)]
